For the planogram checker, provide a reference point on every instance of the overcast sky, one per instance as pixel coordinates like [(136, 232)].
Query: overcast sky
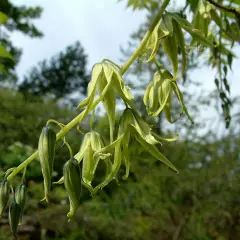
[(101, 26)]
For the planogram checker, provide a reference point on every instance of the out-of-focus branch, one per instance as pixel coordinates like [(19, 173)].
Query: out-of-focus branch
[(224, 8)]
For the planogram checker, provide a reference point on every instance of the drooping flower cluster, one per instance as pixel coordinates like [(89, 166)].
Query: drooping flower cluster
[(106, 84)]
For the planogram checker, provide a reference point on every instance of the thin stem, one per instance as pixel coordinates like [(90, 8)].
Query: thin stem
[(146, 37), (224, 8), (61, 134), (92, 119), (69, 148), (24, 174), (83, 114)]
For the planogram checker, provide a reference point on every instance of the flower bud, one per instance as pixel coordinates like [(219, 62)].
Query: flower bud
[(14, 217), (21, 197), (4, 195), (46, 148), (72, 182)]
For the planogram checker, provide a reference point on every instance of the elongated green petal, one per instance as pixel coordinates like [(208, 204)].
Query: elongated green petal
[(143, 129), (120, 87), (115, 167), (4, 195), (178, 33), (97, 73), (167, 20), (60, 181), (169, 45), (72, 183), (126, 160), (146, 95), (155, 153), (46, 149), (86, 142), (164, 92), (21, 198), (88, 165), (160, 138), (109, 99), (180, 98), (14, 217), (153, 43)]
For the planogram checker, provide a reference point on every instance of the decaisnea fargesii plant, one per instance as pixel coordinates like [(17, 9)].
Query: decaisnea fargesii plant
[(106, 84)]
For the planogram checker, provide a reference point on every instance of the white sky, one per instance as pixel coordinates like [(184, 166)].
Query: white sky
[(101, 26)]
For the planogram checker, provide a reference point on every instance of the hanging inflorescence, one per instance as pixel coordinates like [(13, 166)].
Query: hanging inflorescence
[(105, 86)]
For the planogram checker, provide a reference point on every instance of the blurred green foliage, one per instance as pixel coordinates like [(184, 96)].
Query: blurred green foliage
[(201, 202), (21, 122)]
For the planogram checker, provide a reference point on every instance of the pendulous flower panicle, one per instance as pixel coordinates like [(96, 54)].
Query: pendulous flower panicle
[(158, 95), (107, 82)]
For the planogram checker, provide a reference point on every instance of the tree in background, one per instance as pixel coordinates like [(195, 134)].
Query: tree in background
[(63, 74), (15, 18)]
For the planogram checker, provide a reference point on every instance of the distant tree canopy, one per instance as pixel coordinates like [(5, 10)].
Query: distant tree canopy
[(15, 18), (59, 76)]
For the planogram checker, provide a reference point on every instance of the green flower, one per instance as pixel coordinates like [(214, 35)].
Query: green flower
[(14, 217), (91, 144), (72, 183), (46, 149), (132, 126), (20, 195), (4, 195), (168, 33), (106, 82), (158, 95)]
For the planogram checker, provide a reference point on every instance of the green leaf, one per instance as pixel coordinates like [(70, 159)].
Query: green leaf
[(3, 69), (4, 53), (216, 18), (3, 18), (196, 34)]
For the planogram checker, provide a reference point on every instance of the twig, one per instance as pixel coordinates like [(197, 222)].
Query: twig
[(224, 8)]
